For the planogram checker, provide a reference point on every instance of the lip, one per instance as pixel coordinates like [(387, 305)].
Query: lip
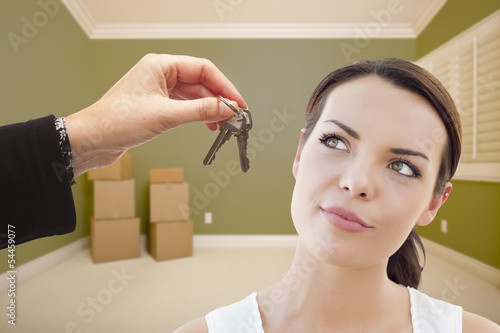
[(344, 219)]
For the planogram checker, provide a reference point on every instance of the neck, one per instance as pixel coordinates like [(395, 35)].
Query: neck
[(331, 296)]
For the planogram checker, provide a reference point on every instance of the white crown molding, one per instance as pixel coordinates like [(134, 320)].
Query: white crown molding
[(371, 30), (81, 15), (247, 31), (426, 16)]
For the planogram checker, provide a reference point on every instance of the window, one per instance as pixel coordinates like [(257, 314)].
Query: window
[(469, 67)]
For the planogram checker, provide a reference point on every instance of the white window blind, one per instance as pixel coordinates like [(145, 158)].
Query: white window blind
[(469, 68)]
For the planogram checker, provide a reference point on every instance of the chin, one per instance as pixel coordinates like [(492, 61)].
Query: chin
[(334, 249)]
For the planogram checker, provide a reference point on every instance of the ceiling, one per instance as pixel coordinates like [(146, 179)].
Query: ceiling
[(118, 19)]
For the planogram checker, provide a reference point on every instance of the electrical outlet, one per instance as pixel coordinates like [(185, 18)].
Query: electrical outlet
[(444, 226), (208, 217)]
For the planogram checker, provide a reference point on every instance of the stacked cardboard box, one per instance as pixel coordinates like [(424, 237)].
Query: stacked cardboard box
[(170, 229), (114, 228)]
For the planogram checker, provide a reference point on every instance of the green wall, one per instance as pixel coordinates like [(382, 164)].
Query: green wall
[(453, 18), (473, 210), (60, 71), (50, 74), (276, 77), (473, 216)]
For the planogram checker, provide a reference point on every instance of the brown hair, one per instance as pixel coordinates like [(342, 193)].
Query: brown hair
[(403, 267)]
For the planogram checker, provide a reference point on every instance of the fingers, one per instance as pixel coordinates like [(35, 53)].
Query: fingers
[(187, 92), (211, 126), (192, 71), (191, 91), (208, 110), (192, 85)]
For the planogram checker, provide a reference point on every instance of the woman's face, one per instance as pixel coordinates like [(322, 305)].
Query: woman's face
[(373, 158)]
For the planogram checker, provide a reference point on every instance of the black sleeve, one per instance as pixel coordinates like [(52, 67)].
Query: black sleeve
[(35, 190)]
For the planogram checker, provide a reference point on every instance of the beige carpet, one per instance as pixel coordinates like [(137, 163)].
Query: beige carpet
[(142, 295)]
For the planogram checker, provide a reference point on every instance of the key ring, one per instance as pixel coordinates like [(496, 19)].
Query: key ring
[(225, 101)]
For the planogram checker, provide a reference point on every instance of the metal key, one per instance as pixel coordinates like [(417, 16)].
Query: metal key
[(242, 141), (238, 126), (224, 135)]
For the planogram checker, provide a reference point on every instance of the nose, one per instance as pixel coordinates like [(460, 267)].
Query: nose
[(357, 180)]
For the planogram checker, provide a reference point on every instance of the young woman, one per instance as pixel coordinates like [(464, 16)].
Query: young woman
[(381, 143)]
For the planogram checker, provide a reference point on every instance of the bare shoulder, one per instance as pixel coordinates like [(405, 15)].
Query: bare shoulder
[(473, 323), (196, 326)]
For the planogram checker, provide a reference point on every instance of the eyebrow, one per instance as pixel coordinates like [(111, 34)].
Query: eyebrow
[(346, 128), (403, 151), (355, 135)]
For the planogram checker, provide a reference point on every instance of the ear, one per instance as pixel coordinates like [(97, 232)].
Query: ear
[(296, 161), (436, 203)]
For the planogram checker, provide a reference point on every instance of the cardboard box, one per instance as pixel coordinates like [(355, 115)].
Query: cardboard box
[(114, 199), (169, 202), (171, 175), (170, 240), (114, 239), (122, 169)]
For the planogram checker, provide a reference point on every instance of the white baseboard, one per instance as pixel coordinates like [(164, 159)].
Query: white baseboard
[(239, 241), (45, 262), (39, 265), (483, 271), (245, 241)]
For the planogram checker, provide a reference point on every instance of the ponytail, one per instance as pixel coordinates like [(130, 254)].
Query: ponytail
[(404, 266)]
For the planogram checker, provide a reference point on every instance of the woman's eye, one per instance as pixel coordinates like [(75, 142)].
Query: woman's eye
[(402, 168), (334, 142)]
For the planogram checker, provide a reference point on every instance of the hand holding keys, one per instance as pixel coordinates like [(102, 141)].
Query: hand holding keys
[(238, 126)]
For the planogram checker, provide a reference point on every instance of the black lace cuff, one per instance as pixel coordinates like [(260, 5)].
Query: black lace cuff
[(65, 148)]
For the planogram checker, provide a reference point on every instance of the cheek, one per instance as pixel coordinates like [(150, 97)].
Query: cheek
[(407, 199), (313, 172), (309, 184), (398, 206), (398, 212)]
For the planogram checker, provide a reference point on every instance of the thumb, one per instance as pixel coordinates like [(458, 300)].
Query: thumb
[(208, 109)]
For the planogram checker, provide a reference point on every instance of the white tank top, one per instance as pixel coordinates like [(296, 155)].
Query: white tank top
[(428, 315)]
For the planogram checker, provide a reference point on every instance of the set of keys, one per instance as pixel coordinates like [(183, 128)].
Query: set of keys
[(238, 126)]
